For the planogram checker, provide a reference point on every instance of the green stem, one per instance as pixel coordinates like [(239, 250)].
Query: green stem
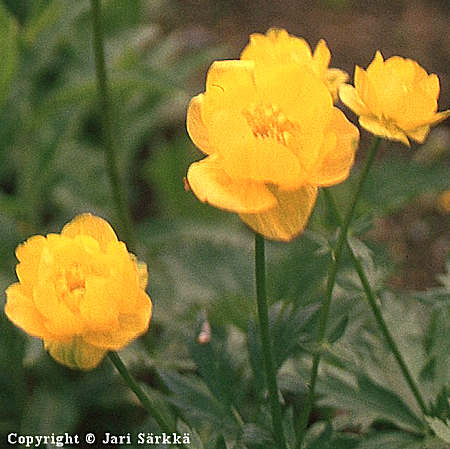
[(139, 392), (260, 272), (324, 313), (377, 312), (105, 106)]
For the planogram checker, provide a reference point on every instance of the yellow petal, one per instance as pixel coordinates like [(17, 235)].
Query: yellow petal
[(430, 85), (30, 251), (130, 327), (100, 306), (45, 299), (321, 58), (277, 47), (212, 185), (439, 117), (338, 157), (419, 134), (245, 156), (349, 96), (96, 227), (404, 69), (379, 129), (434, 119), (75, 353), (366, 91), (195, 125), (288, 218), (21, 310), (417, 109), (60, 320), (29, 254), (376, 65), (290, 87), (229, 84)]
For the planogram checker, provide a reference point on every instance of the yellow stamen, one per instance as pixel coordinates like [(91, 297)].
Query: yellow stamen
[(268, 121)]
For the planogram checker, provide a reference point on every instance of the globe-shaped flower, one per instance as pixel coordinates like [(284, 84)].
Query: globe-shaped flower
[(272, 136), (277, 47), (395, 99), (80, 291)]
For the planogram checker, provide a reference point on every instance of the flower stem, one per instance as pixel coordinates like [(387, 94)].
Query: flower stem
[(105, 106), (139, 392), (260, 273), (377, 312), (324, 312)]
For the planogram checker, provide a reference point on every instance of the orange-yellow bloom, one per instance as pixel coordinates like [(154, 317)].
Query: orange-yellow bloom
[(395, 99), (80, 291), (277, 47), (444, 201), (272, 136)]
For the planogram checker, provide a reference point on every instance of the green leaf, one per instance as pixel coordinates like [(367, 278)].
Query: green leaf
[(319, 436), (392, 440), (338, 331), (9, 54), (440, 428), (254, 434), (387, 403), (48, 411), (220, 443), (12, 376), (289, 329), (43, 19), (195, 441), (296, 271), (399, 180), (192, 397), (368, 401), (216, 368)]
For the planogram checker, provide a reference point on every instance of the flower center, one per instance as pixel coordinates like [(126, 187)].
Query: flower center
[(71, 286), (268, 121), (75, 278)]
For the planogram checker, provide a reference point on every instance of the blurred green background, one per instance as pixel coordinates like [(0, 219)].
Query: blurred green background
[(200, 259)]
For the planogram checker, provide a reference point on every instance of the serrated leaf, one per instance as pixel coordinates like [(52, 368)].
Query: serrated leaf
[(300, 272), (192, 397), (338, 331), (440, 428), (290, 331), (216, 369), (387, 403), (368, 400), (391, 440)]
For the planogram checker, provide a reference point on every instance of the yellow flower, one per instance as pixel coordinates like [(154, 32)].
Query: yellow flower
[(395, 99), (80, 291), (444, 201), (277, 47), (272, 136)]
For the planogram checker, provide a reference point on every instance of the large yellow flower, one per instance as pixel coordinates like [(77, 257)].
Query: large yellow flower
[(395, 99), (80, 291), (277, 47), (272, 136)]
